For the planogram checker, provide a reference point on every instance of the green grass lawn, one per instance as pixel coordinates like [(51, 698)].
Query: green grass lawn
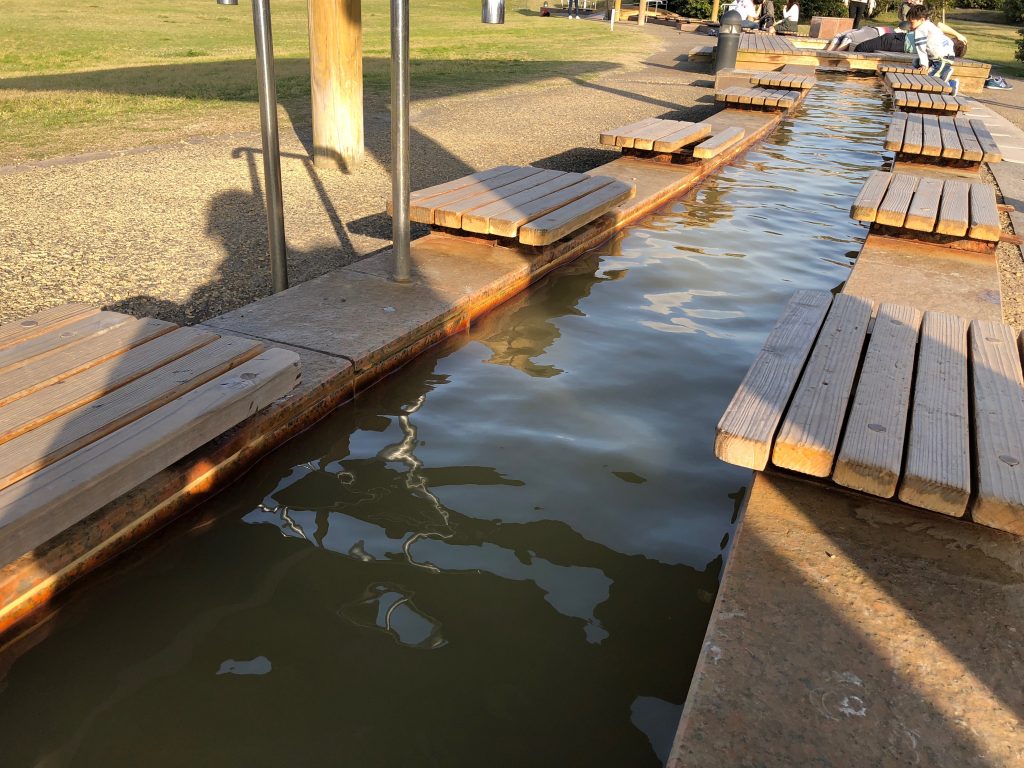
[(110, 74), (989, 37)]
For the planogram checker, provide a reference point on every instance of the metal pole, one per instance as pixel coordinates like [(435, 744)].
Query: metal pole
[(400, 138), (271, 144)]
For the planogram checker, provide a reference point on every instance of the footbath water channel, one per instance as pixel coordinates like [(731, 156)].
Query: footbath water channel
[(505, 554)]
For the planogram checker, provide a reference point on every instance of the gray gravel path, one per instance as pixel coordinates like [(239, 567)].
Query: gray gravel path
[(178, 232)]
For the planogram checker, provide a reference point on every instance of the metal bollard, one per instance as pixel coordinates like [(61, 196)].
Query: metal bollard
[(728, 41), (493, 12)]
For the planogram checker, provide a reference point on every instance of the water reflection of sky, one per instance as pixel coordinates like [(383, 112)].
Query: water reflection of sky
[(508, 551)]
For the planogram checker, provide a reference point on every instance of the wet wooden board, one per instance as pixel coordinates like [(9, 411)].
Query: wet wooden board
[(783, 80), (62, 436), (932, 205), (719, 143), (998, 437), (757, 96), (41, 506), (937, 473), (42, 322), (566, 220), (873, 440), (745, 432), (809, 435)]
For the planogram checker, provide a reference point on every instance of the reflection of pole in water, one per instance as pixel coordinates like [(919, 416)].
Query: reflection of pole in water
[(415, 481)]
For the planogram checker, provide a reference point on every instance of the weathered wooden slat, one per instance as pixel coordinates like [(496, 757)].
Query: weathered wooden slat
[(992, 153), (873, 441), (42, 322), (897, 127), (47, 403), (719, 143), (924, 208), (611, 137), (423, 210), (66, 434), (932, 144), (865, 207), (30, 350), (450, 186), (683, 137), (507, 222), (937, 471), (913, 141), (809, 435), (951, 147), (745, 431), (953, 210), (893, 210), (566, 220), (998, 411), (476, 220), (450, 215), (971, 148), (984, 215), (39, 507), (653, 129), (645, 137), (55, 368)]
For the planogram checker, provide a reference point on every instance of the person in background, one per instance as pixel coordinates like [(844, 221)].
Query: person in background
[(574, 9), (853, 38), (858, 12), (766, 19), (934, 50), (790, 18)]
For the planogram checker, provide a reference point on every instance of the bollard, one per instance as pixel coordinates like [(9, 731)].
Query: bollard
[(492, 12), (728, 41)]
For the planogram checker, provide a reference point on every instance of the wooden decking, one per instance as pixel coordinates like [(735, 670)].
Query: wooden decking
[(756, 96), (928, 102), (942, 136), (656, 135), (951, 207), (784, 80), (766, 44), (928, 408), (536, 206), (897, 81), (93, 403)]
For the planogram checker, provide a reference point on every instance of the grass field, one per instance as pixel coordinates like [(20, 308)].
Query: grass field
[(108, 74)]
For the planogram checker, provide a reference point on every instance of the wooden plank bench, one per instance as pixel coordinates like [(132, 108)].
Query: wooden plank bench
[(948, 207), (905, 69), (656, 135), (942, 136), (766, 44), (93, 403), (912, 81), (927, 409), (785, 81), (536, 206), (768, 98), (928, 102)]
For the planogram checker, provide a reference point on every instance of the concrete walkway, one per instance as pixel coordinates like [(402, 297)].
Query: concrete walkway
[(178, 232)]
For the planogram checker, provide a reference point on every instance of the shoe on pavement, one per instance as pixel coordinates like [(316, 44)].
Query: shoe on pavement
[(955, 85)]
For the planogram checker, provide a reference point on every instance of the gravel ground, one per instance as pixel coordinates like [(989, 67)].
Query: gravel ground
[(178, 231)]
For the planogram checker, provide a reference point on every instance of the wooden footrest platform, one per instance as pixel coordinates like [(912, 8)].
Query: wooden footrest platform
[(932, 102), (783, 80), (904, 69), (93, 403), (758, 97), (942, 136), (951, 206), (915, 82), (536, 205), (927, 409), (766, 44), (655, 134)]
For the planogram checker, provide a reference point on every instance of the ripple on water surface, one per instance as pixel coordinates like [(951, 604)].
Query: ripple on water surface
[(505, 554)]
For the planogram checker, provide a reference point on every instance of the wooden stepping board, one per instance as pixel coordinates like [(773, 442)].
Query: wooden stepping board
[(900, 68), (93, 403), (768, 98), (538, 206), (927, 409), (783, 80), (951, 206), (953, 138), (898, 81), (657, 135), (928, 102), (766, 44)]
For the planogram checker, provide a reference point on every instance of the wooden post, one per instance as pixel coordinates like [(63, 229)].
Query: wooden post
[(336, 74), (642, 18), (714, 11), (618, 10)]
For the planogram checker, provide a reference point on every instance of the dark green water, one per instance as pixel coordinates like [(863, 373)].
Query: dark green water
[(504, 555)]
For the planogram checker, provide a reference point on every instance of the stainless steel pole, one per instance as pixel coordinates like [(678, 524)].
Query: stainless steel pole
[(400, 138), (271, 144)]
